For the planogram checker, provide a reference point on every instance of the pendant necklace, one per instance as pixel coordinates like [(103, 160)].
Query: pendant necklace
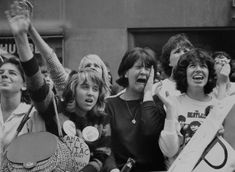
[(133, 121)]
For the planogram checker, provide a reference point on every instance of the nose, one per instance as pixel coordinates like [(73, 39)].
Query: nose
[(90, 92), (4, 75), (198, 68), (144, 70)]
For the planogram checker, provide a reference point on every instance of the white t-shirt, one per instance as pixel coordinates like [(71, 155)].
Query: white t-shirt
[(190, 114)]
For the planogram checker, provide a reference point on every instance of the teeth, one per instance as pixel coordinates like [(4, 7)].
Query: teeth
[(197, 77)]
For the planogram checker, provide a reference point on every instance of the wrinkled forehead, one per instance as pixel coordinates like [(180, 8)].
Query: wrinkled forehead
[(10, 66)]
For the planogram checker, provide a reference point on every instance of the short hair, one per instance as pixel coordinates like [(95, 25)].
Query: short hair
[(95, 58), (195, 123), (16, 62), (80, 77), (129, 59), (220, 54), (172, 43), (195, 55), (181, 118)]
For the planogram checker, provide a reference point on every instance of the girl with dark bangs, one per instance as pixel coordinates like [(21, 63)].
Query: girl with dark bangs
[(136, 119), (195, 78), (175, 47)]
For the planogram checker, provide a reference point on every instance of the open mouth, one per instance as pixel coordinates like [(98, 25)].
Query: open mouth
[(142, 80), (89, 101), (198, 77)]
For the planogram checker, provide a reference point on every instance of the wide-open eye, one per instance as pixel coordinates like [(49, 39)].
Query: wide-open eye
[(95, 88)]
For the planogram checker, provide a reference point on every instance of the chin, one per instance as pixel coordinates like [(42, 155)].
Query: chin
[(140, 90)]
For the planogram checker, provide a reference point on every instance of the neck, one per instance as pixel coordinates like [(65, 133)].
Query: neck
[(197, 94), (131, 95), (10, 103), (80, 112)]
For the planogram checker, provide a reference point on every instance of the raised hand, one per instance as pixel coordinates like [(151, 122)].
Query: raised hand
[(169, 101), (224, 73), (149, 84), (18, 18)]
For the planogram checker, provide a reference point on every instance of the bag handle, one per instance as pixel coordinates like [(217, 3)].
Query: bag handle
[(57, 117), (23, 121), (21, 125)]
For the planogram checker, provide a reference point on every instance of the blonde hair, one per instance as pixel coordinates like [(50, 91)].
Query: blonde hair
[(82, 76), (105, 76)]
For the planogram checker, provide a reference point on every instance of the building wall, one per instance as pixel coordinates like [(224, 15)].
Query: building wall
[(100, 27)]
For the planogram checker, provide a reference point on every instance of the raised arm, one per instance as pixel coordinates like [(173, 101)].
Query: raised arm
[(223, 81), (169, 140), (153, 114), (56, 69), (19, 23)]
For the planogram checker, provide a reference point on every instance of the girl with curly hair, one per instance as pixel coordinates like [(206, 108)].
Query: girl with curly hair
[(195, 78)]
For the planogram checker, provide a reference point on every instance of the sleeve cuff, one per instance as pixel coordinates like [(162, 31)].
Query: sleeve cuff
[(88, 168), (30, 67)]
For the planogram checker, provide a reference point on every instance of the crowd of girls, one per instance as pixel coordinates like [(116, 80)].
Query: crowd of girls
[(149, 121)]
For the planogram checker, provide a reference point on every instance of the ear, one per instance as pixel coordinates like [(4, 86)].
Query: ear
[(126, 75), (24, 88)]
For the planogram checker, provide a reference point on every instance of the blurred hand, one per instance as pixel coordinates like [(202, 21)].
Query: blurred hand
[(223, 76), (149, 84), (18, 18), (169, 101)]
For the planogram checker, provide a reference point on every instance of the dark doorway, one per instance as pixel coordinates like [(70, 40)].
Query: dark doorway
[(211, 39)]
